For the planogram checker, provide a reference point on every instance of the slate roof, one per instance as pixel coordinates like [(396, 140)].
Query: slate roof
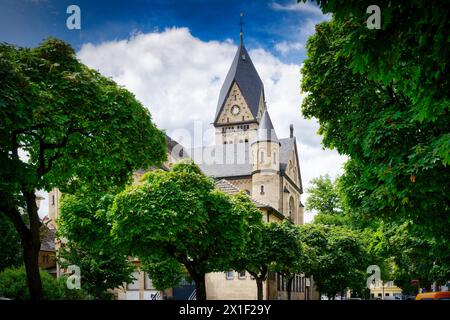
[(48, 240), (266, 131), (244, 73), (230, 188), (234, 160), (223, 160), (285, 152)]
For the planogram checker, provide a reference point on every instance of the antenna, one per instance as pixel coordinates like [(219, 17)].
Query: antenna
[(241, 24)]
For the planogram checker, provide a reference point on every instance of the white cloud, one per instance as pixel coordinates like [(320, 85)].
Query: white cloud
[(285, 47), (178, 78), (307, 7)]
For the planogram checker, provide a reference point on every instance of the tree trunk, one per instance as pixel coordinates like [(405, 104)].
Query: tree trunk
[(31, 245), (289, 287), (31, 261), (259, 285), (200, 286)]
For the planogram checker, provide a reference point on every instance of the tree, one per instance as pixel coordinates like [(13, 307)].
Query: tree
[(323, 196), (325, 199), (291, 256), (256, 254), (339, 257), (10, 249), (73, 126), (179, 215), (13, 285), (381, 98), (84, 226), (165, 271)]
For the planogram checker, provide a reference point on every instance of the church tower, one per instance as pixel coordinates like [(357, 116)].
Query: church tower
[(241, 101), (266, 164)]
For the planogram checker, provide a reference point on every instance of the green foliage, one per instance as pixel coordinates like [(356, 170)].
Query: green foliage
[(323, 196), (78, 127), (178, 214), (13, 285), (291, 256), (83, 222), (10, 248), (382, 98), (339, 257), (165, 272), (410, 50)]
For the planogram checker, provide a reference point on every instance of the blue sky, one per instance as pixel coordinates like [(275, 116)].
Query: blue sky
[(267, 23)]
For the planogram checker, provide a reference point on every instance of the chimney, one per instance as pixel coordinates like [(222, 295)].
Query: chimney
[(291, 129)]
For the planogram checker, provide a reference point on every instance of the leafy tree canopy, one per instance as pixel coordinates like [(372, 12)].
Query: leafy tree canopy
[(64, 125), (340, 260), (179, 214), (381, 97), (84, 227)]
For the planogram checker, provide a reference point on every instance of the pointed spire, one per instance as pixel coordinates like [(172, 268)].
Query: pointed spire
[(266, 131), (241, 33), (243, 72)]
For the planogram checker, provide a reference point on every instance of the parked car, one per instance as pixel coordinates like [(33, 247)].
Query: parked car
[(439, 295)]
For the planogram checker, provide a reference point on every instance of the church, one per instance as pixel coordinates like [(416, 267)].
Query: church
[(247, 155)]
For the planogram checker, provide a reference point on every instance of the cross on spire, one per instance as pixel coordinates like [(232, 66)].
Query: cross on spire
[(241, 23)]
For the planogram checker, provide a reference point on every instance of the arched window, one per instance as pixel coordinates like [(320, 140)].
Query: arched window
[(274, 158), (262, 190), (261, 156), (291, 208)]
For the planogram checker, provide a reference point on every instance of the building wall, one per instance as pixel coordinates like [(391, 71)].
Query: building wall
[(218, 287), (54, 197), (290, 192), (47, 259), (271, 184), (140, 289)]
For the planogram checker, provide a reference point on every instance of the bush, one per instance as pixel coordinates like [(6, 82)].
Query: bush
[(13, 285)]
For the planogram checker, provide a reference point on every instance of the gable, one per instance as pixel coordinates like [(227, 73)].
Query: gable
[(235, 97), (289, 163)]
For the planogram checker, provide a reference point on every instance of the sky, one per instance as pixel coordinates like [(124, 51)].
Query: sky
[(174, 56)]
